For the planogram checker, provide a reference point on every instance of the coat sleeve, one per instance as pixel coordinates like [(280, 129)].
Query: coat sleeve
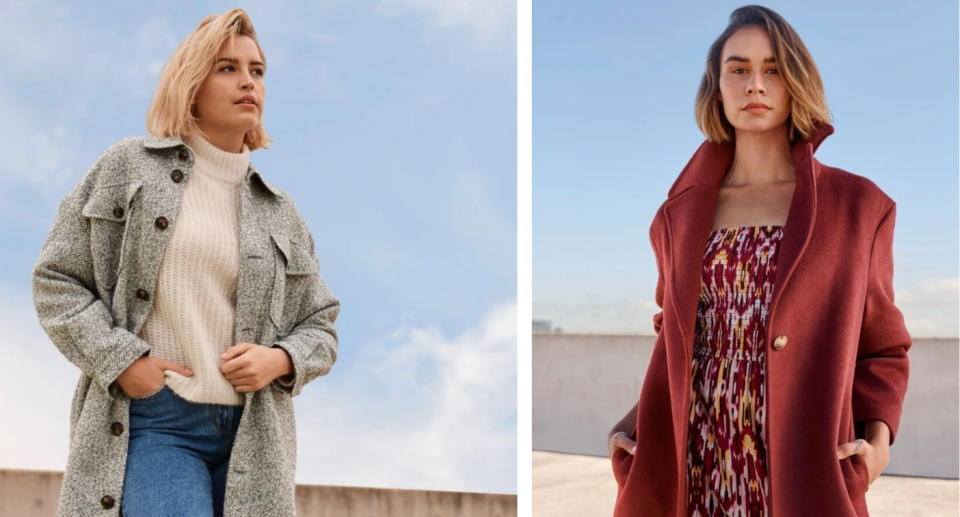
[(66, 300), (880, 379), (312, 342)]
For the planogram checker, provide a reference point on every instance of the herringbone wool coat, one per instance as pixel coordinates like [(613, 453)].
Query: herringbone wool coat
[(93, 289), (836, 343)]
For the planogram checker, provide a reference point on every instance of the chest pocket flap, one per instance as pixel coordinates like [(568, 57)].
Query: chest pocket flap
[(294, 265), (108, 210), (111, 203)]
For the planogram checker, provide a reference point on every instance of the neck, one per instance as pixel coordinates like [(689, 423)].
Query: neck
[(213, 162), (230, 141), (761, 158)]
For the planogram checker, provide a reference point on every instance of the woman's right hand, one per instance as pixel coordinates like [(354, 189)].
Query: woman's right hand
[(620, 439), (145, 375)]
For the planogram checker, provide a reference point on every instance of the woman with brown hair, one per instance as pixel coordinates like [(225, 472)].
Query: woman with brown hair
[(187, 290), (778, 375)]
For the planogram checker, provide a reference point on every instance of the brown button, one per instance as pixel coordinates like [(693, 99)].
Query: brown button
[(142, 294), (116, 429), (176, 176), (184, 154), (162, 223), (118, 212), (780, 343), (106, 502)]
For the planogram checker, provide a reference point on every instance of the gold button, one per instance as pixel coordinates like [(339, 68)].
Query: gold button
[(780, 343)]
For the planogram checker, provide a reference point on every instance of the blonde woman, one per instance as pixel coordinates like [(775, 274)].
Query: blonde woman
[(777, 379), (186, 289)]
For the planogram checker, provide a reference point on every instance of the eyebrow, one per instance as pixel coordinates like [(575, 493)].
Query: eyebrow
[(742, 59), (237, 61)]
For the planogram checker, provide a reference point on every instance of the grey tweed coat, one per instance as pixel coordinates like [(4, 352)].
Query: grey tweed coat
[(93, 288)]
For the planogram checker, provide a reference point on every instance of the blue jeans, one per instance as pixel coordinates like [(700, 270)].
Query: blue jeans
[(178, 456)]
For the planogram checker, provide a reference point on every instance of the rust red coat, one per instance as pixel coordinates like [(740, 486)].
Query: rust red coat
[(845, 361)]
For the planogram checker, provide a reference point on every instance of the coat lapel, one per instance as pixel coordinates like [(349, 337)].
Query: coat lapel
[(689, 212)]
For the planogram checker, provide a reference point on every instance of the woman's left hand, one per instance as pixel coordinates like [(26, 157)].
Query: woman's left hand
[(876, 456), (250, 367)]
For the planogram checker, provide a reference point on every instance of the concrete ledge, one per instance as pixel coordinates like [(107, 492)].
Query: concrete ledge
[(35, 493), (583, 384)]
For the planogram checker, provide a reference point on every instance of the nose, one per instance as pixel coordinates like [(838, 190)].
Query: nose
[(246, 81), (756, 85)]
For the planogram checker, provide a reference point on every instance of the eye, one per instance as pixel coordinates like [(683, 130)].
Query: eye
[(224, 68), (259, 72), (737, 70), (774, 70)]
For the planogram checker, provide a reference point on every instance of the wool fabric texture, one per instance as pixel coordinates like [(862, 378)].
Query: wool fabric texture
[(835, 343), (95, 285)]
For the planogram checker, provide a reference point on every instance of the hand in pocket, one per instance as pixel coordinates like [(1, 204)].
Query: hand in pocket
[(620, 440), (875, 457), (145, 376)]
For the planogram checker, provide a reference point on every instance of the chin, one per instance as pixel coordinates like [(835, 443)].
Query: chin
[(758, 126)]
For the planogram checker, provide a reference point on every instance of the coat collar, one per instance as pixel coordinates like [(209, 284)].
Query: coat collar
[(710, 163), (168, 142), (689, 212)]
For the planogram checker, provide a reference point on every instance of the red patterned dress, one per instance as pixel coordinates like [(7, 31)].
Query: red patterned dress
[(726, 451)]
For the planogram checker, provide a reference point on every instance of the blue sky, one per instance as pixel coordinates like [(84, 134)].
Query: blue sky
[(395, 131), (613, 90)]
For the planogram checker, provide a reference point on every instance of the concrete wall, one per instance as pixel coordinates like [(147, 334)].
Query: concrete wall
[(34, 493), (583, 384)]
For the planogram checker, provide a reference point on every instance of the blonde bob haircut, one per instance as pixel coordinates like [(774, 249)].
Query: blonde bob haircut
[(808, 102), (171, 111)]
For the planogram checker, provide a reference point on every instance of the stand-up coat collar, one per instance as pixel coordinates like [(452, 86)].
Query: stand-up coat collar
[(691, 206), (710, 163)]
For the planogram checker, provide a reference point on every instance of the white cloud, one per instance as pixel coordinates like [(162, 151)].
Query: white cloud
[(38, 390), (930, 307), (487, 18), (422, 412)]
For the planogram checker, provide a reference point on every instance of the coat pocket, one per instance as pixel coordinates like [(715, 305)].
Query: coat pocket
[(622, 461), (293, 266), (108, 212), (856, 475)]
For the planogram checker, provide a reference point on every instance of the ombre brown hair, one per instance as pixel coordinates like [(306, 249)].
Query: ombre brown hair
[(808, 102), (171, 111)]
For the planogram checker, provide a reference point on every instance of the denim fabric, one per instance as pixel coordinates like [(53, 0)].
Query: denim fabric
[(178, 456)]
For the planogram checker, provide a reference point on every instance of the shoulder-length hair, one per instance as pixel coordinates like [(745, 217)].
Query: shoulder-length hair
[(808, 102), (171, 111)]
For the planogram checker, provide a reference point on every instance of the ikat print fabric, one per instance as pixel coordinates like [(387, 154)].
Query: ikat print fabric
[(726, 454)]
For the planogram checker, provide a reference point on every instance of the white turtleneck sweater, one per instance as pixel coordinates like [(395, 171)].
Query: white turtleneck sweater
[(194, 310)]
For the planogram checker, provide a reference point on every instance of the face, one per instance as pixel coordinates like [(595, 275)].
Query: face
[(752, 90), (230, 99)]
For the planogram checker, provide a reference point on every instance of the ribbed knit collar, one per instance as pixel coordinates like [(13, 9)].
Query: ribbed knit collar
[(216, 163)]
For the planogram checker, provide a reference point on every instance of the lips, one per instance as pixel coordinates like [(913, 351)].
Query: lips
[(756, 107), (247, 99)]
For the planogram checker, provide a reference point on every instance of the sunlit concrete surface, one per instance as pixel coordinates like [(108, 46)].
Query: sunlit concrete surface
[(571, 485), (34, 493)]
